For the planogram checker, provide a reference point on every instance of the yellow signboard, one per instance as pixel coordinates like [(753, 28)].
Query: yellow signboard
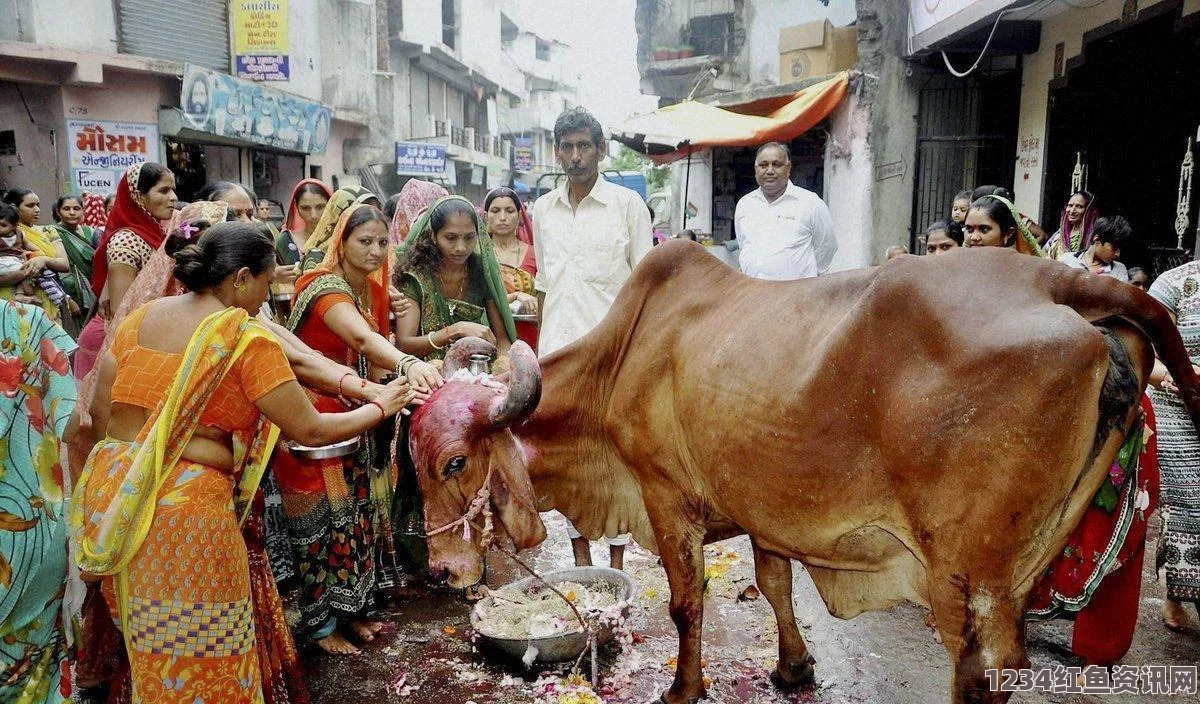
[(261, 42)]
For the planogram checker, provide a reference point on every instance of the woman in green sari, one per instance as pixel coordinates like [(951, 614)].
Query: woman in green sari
[(77, 240), (448, 269)]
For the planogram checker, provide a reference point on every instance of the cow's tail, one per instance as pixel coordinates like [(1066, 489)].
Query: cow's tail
[(1102, 298)]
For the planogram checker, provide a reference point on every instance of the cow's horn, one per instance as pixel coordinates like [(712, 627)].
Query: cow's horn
[(524, 388), (459, 354)]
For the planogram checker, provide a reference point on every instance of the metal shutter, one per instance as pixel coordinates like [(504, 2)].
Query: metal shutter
[(196, 31)]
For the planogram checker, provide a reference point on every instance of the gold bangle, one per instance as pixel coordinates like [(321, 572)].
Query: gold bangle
[(433, 344)]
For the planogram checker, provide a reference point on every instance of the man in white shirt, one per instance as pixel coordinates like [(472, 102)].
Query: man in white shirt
[(784, 232), (590, 236)]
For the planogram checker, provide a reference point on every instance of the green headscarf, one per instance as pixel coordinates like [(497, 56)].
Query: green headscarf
[(1026, 243), (487, 258), (314, 248)]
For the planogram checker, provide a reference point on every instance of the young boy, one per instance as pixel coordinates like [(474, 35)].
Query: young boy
[(14, 254)]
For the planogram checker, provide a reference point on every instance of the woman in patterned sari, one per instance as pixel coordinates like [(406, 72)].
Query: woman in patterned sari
[(188, 394), (37, 395), (338, 510), (100, 659), (1179, 453), (511, 230), (76, 238)]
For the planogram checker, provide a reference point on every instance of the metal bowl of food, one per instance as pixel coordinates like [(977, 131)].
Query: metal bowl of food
[(525, 641), (324, 452), (525, 317), (281, 297)]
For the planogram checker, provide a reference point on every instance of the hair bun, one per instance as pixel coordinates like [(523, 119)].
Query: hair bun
[(189, 266)]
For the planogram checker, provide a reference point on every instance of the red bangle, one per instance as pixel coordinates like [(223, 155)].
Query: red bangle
[(383, 414), (342, 380)]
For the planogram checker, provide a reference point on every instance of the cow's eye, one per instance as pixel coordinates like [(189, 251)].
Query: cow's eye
[(455, 466)]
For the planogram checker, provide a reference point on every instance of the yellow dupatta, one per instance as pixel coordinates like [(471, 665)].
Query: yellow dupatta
[(37, 239), (109, 530)]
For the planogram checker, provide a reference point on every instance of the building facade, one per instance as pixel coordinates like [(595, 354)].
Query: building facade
[(266, 92)]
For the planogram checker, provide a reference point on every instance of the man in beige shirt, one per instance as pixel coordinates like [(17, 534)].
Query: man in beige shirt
[(590, 236)]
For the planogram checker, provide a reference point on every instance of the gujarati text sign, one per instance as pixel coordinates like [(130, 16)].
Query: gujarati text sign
[(260, 40), (100, 152)]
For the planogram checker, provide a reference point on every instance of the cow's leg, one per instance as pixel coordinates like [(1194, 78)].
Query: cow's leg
[(982, 629), (681, 547), (773, 573)]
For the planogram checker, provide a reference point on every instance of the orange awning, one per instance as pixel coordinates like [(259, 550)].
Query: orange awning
[(669, 133)]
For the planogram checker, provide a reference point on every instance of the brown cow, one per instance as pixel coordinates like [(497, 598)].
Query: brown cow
[(928, 430)]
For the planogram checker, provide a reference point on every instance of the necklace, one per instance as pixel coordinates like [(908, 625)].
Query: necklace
[(451, 301)]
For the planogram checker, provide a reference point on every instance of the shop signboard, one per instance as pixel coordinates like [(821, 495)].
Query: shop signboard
[(227, 106), (523, 154), (420, 159), (260, 40), (100, 152)]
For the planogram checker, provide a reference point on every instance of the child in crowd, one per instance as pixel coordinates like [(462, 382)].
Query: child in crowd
[(14, 254), (960, 206)]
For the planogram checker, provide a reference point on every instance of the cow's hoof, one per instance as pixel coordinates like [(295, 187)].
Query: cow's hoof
[(794, 674), (690, 700)]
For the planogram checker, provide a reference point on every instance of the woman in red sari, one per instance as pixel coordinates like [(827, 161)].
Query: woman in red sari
[(338, 510), (1097, 580)]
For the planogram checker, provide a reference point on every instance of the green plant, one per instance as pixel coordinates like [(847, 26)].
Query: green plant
[(629, 160)]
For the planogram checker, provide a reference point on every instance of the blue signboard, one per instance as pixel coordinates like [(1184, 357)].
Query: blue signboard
[(264, 68), (420, 159), (223, 105)]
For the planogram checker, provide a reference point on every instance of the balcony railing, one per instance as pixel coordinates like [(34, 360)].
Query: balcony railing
[(439, 128), (458, 136)]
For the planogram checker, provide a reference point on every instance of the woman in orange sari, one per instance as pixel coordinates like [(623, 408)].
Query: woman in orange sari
[(511, 229), (187, 395), (338, 510)]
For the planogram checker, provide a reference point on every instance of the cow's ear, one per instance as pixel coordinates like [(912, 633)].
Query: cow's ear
[(512, 495)]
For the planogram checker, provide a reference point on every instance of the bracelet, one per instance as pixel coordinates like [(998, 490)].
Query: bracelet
[(433, 344), (340, 381), (383, 414), (405, 365)]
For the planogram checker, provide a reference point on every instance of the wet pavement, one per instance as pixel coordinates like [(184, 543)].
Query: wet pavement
[(425, 653)]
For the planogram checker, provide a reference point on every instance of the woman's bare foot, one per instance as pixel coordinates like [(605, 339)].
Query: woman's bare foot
[(1174, 615), (336, 644), (366, 629)]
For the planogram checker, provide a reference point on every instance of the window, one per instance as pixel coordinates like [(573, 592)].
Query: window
[(541, 50), (449, 23), (712, 35), (145, 30)]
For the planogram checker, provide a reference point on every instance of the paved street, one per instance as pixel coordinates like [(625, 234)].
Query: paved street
[(425, 654)]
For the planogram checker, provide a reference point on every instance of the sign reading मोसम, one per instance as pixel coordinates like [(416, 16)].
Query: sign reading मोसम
[(420, 159), (260, 40), (100, 152), (226, 106)]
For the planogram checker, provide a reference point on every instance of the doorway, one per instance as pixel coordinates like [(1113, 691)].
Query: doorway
[(1124, 110)]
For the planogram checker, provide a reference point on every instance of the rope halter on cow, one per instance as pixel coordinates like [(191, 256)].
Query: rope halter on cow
[(482, 503)]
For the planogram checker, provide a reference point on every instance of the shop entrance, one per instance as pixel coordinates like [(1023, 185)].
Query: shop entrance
[(1124, 112)]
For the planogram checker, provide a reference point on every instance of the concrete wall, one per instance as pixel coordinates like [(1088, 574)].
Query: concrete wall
[(479, 33), (305, 26), (423, 22), (1067, 27), (764, 19), (35, 163), (82, 25), (877, 125)]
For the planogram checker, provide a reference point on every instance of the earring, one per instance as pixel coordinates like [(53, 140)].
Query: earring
[(239, 286)]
